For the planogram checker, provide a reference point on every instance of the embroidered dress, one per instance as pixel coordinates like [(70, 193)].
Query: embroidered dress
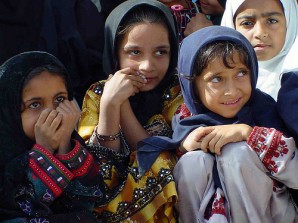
[(129, 197), (263, 169), (36, 185), (234, 186)]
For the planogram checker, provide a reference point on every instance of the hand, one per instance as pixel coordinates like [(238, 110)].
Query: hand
[(193, 140), (213, 138), (123, 84), (197, 22), (218, 136), (70, 116), (46, 129)]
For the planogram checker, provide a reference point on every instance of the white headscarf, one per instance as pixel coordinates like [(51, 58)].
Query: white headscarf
[(286, 60)]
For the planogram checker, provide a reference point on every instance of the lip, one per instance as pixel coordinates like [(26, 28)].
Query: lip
[(232, 103), (204, 4), (150, 79), (261, 46)]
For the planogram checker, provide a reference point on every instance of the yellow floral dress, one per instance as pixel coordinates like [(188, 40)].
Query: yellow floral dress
[(129, 197)]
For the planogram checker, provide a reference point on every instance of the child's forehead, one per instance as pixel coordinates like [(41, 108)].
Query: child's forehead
[(264, 7)]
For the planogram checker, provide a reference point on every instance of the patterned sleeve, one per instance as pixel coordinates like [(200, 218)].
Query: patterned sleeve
[(277, 153), (51, 174), (182, 112), (47, 174), (90, 110)]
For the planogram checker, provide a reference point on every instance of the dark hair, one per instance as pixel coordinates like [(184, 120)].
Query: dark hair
[(52, 69), (146, 104), (221, 49), (139, 15), (55, 70)]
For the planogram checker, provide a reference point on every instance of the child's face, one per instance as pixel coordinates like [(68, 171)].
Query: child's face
[(211, 7), (146, 49), (222, 90), (42, 91), (263, 23)]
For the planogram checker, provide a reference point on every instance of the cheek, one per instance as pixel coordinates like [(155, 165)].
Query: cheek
[(125, 61), (28, 123), (280, 38), (247, 33)]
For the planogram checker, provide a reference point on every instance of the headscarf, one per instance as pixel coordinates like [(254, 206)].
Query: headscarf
[(270, 71), (144, 104), (259, 110), (14, 144)]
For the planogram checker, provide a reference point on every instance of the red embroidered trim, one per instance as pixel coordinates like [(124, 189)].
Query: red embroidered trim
[(183, 111), (45, 178), (85, 166), (74, 152), (258, 141), (53, 160), (218, 206)]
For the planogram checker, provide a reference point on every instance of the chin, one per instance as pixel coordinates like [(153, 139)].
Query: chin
[(147, 88)]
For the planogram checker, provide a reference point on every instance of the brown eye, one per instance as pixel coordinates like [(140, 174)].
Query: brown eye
[(34, 105), (60, 99)]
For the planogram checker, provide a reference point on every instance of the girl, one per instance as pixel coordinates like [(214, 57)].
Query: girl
[(271, 28), (218, 78), (45, 171), (137, 101)]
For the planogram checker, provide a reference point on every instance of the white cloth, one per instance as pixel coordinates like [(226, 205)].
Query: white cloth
[(270, 71), (247, 173)]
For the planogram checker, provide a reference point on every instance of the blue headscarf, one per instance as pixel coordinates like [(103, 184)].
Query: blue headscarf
[(259, 110)]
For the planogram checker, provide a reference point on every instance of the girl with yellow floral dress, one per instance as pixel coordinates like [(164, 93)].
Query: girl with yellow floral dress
[(138, 100)]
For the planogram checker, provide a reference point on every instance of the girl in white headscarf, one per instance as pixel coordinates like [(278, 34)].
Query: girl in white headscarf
[(257, 21)]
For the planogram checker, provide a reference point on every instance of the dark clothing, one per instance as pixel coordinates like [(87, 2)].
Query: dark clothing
[(67, 29), (35, 184)]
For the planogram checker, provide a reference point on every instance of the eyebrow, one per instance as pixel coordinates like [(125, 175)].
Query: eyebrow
[(267, 14), (38, 98), (137, 47)]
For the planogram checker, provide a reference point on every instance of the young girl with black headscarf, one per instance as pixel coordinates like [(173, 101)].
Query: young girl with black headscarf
[(46, 174)]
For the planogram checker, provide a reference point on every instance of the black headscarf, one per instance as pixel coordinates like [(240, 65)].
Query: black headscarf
[(259, 110), (14, 144), (144, 104)]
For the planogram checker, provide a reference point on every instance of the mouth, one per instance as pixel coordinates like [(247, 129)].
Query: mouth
[(150, 79), (260, 46), (203, 3), (232, 102)]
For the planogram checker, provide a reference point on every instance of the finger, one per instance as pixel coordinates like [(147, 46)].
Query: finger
[(201, 132), (138, 79), (110, 76), (213, 142), (221, 142), (52, 115), (43, 116), (206, 140), (65, 107), (56, 123)]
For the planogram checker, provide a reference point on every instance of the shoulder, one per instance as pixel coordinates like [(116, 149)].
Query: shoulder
[(97, 88)]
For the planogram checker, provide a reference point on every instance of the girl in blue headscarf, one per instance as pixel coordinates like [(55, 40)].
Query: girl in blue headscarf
[(232, 176)]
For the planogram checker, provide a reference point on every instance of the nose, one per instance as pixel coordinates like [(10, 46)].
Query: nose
[(230, 88), (147, 64), (260, 31)]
